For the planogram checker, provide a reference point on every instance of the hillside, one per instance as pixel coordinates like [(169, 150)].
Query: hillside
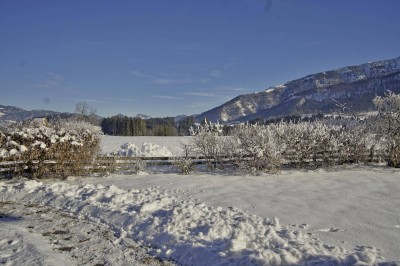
[(13, 114), (349, 89)]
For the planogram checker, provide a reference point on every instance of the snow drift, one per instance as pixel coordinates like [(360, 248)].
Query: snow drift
[(147, 150)]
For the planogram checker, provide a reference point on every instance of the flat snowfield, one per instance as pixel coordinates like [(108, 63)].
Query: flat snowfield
[(347, 215)]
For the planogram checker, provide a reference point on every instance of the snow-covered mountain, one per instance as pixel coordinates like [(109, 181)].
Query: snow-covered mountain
[(348, 89), (142, 116), (13, 114)]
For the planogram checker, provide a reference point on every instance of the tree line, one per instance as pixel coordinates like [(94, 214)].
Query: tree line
[(120, 125)]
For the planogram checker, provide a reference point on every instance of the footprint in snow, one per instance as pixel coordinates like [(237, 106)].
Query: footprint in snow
[(329, 230), (302, 226)]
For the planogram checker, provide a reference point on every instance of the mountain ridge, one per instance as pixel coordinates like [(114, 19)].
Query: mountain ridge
[(347, 89), (351, 87), (12, 113)]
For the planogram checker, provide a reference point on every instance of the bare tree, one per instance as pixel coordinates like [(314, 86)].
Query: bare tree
[(86, 113)]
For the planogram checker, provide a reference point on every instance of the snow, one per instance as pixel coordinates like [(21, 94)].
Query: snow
[(343, 206), (278, 87), (39, 134), (341, 215), (21, 247), (111, 143), (40, 235), (185, 230), (147, 150)]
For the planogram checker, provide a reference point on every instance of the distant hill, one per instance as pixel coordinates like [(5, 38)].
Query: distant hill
[(349, 89), (179, 118), (13, 114)]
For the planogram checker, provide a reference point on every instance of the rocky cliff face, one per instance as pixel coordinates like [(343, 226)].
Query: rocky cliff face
[(349, 89)]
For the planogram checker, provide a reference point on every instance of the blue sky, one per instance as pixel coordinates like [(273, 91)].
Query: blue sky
[(172, 57)]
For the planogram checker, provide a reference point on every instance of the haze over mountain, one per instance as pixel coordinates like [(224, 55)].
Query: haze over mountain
[(349, 89)]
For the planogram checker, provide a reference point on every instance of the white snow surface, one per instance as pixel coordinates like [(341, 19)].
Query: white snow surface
[(164, 211), (20, 247), (111, 143), (146, 150), (346, 206), (33, 234)]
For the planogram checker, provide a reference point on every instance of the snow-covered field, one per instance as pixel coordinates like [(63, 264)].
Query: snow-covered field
[(336, 216)]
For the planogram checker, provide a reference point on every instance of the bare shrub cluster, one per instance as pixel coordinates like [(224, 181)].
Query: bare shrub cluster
[(134, 167), (211, 147), (388, 125), (265, 148), (65, 148), (185, 164), (315, 143), (255, 148)]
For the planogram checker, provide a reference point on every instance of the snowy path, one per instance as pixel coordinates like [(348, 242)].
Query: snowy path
[(23, 247), (40, 235)]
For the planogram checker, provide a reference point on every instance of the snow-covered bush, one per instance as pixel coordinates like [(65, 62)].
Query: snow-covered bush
[(265, 148), (134, 167), (388, 124), (318, 144), (210, 146), (256, 148), (352, 143), (305, 142), (57, 147), (185, 163)]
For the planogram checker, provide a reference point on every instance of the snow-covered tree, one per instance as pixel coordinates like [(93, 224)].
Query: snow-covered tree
[(206, 126)]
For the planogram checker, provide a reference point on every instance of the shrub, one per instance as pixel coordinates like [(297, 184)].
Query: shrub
[(210, 146), (184, 163), (135, 166), (388, 124), (59, 147), (256, 148), (306, 142)]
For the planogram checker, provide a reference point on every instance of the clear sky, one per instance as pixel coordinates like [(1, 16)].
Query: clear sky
[(172, 57)]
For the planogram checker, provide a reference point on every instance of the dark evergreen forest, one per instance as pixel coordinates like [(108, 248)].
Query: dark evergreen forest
[(120, 125)]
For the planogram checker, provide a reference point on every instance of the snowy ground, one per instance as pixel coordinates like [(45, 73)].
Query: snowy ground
[(346, 206), (33, 234), (337, 216)]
